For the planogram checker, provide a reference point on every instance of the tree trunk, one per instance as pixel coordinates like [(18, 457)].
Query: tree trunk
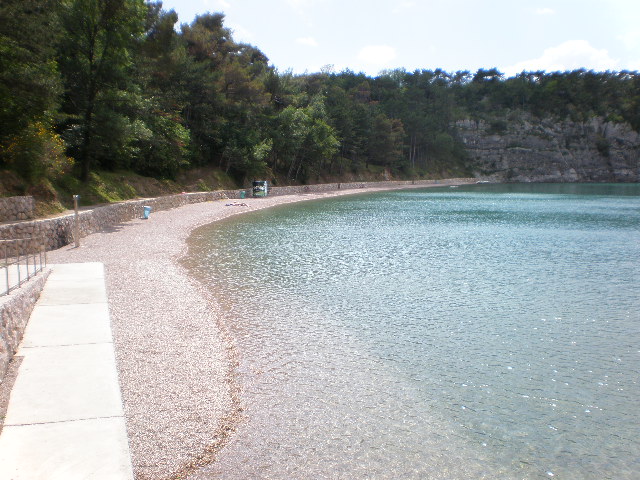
[(85, 151), (291, 167)]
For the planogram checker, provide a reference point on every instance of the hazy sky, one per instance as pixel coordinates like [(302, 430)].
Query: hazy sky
[(373, 35)]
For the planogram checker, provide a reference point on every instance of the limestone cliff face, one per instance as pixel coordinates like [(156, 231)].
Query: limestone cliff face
[(528, 150)]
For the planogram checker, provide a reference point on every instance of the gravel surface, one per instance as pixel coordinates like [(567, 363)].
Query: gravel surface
[(175, 359)]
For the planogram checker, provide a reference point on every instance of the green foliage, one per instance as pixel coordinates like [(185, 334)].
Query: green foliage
[(37, 153), (302, 140), (108, 191), (29, 81), (162, 146), (386, 142), (498, 126), (29, 86), (126, 90), (99, 37), (105, 187)]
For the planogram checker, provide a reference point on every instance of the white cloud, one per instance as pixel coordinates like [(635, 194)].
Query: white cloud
[(632, 66), (570, 55), (224, 5), (301, 5), (308, 41), (545, 11), (304, 9), (402, 6), (631, 39), (377, 55)]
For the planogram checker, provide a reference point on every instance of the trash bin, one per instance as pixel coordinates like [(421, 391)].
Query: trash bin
[(242, 193), (147, 211), (260, 188)]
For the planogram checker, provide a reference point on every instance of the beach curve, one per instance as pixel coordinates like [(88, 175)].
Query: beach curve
[(174, 355)]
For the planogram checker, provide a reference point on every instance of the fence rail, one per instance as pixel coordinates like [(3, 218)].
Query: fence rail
[(20, 260)]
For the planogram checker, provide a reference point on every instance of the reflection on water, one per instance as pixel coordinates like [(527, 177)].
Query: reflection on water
[(480, 332)]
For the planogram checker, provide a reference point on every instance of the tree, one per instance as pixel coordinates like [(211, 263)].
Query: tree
[(386, 142), (227, 97), (96, 61), (161, 64), (29, 87), (303, 140)]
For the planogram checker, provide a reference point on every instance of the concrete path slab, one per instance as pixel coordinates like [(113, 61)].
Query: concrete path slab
[(51, 325), (65, 417), (73, 291), (80, 450), (57, 384), (70, 271)]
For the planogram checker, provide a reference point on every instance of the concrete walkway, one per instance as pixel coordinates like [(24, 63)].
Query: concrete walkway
[(65, 418)]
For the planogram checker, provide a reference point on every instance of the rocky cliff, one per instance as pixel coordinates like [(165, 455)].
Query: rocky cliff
[(528, 150)]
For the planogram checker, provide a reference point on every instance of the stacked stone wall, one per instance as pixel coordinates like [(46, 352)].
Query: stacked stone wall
[(58, 231), (16, 208), (15, 310)]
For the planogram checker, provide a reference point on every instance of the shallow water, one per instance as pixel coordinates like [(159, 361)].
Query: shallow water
[(476, 332)]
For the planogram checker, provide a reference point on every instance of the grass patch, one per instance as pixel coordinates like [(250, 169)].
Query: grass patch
[(108, 187)]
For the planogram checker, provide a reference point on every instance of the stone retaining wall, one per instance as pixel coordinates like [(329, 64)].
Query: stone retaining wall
[(16, 208), (15, 310), (59, 231)]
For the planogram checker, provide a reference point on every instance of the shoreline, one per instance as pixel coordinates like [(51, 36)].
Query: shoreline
[(169, 334)]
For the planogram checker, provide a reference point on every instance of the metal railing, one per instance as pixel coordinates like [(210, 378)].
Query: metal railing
[(20, 260)]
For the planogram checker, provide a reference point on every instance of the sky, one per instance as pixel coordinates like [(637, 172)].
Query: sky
[(371, 36)]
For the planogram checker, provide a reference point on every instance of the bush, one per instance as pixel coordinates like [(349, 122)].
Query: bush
[(497, 127), (36, 153)]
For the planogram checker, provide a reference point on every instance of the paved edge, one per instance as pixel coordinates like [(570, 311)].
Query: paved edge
[(65, 418)]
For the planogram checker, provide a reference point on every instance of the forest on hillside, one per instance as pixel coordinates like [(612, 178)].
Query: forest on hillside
[(122, 85)]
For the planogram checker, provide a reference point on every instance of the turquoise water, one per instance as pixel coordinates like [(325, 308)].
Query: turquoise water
[(476, 332)]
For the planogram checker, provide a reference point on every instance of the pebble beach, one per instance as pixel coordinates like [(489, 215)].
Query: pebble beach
[(174, 355)]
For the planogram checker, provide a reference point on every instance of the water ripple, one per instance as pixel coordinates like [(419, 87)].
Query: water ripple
[(483, 333)]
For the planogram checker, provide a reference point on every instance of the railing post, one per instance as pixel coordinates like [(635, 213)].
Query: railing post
[(18, 266), (26, 261), (6, 266), (34, 244), (16, 251)]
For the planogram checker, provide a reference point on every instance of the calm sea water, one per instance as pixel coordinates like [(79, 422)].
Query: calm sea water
[(477, 332)]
